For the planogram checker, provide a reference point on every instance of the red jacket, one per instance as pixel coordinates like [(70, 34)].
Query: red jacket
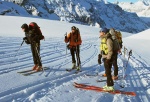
[(73, 39)]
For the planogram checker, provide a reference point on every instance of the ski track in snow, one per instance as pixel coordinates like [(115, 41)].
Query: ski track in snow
[(56, 82)]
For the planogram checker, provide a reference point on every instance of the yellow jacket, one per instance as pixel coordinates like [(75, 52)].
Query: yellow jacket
[(106, 47)]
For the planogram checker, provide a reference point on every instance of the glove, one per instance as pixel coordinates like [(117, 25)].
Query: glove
[(25, 38), (99, 59), (65, 37)]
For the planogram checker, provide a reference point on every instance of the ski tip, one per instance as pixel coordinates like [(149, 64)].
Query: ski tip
[(75, 82)]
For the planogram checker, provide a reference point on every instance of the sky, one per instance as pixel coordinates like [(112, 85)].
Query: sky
[(123, 0)]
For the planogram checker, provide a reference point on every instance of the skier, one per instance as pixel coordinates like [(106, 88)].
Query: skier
[(106, 48), (75, 41), (33, 39), (116, 50)]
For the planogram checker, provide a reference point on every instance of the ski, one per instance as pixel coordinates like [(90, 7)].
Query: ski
[(29, 70), (69, 70), (33, 71), (92, 74), (25, 71), (100, 89), (76, 72), (102, 80)]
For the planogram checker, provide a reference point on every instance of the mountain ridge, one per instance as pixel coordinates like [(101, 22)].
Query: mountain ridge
[(93, 13)]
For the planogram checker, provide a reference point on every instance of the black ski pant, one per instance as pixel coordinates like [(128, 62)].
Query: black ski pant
[(75, 50), (35, 48), (115, 55), (108, 66)]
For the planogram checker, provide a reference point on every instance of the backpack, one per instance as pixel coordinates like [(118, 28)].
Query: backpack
[(119, 37), (77, 30), (116, 45), (37, 30)]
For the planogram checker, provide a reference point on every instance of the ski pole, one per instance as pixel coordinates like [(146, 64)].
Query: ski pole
[(19, 49), (130, 54), (77, 55), (16, 54), (66, 43), (124, 71)]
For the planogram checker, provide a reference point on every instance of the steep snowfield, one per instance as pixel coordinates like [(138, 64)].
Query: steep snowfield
[(55, 84)]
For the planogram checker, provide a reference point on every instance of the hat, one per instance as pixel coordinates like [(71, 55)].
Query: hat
[(105, 30), (24, 26), (73, 28)]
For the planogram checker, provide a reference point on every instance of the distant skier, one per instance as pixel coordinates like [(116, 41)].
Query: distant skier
[(75, 41), (106, 48), (32, 38)]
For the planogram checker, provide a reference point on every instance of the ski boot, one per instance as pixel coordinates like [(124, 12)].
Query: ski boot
[(73, 66), (104, 75), (39, 68), (78, 68), (108, 88), (34, 67), (115, 77)]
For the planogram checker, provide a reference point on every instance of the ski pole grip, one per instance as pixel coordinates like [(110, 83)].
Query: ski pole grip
[(130, 53)]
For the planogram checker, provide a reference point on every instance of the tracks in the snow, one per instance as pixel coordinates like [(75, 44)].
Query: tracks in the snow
[(59, 51)]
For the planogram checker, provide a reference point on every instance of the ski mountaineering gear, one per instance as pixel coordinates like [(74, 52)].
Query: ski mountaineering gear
[(108, 88), (34, 67), (116, 45), (73, 65), (30, 71), (99, 89), (35, 29), (119, 37), (115, 77), (39, 68), (104, 75), (124, 69)]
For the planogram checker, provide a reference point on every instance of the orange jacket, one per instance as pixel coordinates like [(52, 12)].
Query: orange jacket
[(73, 39)]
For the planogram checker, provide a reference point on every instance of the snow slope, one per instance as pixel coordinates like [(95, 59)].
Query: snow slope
[(55, 84)]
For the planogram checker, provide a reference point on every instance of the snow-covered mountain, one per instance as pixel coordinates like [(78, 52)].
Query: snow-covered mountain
[(141, 8), (9, 8), (146, 2), (92, 12)]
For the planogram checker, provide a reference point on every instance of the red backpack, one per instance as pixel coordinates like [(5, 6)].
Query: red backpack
[(37, 29)]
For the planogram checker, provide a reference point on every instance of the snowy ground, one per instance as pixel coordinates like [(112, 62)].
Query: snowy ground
[(55, 85)]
